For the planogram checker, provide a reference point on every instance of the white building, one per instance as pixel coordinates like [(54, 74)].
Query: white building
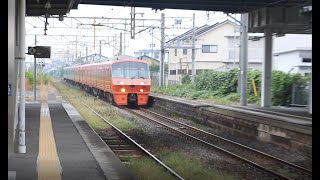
[(217, 48), (293, 53)]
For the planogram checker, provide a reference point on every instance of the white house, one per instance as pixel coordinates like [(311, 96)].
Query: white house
[(217, 48), (154, 53), (293, 53)]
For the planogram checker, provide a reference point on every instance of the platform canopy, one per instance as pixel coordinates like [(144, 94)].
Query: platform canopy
[(228, 6), (50, 7)]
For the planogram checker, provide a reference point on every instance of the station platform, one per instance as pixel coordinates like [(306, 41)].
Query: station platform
[(298, 112), (61, 145), (292, 115)]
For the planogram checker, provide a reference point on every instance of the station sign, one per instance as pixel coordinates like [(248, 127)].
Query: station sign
[(40, 51)]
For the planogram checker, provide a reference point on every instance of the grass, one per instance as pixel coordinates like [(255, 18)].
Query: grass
[(191, 168), (73, 94), (147, 169)]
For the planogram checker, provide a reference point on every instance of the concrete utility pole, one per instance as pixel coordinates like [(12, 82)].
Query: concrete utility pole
[(266, 70), (86, 54), (133, 22), (152, 43), (94, 33), (120, 51), (76, 47), (124, 37), (22, 57), (162, 52), (100, 48), (193, 50), (35, 73), (243, 59)]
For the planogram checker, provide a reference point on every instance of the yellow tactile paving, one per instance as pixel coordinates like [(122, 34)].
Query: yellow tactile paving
[(48, 165)]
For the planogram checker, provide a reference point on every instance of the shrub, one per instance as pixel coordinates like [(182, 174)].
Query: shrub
[(234, 97), (185, 79)]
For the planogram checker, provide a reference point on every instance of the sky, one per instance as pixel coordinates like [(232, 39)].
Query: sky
[(79, 34)]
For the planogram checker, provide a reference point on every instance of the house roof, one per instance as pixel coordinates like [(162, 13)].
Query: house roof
[(293, 50), (148, 57), (199, 31), (148, 50)]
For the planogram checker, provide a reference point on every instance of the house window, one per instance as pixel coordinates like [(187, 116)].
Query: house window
[(185, 51), (182, 71), (209, 48), (175, 52), (307, 60), (172, 72)]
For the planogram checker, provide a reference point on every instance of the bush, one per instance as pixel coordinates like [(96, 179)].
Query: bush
[(256, 76), (254, 100), (185, 79), (29, 77), (42, 77), (234, 97), (200, 94), (222, 83)]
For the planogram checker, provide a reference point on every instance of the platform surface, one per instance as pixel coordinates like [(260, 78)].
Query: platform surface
[(80, 152)]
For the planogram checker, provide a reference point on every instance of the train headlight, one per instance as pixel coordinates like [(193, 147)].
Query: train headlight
[(141, 90), (123, 90)]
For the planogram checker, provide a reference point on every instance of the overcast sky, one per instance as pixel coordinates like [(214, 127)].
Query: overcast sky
[(73, 43)]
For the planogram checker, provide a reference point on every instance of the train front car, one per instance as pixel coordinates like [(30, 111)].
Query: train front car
[(130, 82)]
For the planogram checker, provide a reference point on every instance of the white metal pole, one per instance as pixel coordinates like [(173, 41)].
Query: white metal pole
[(193, 51), (35, 73), (310, 92), (243, 59), (162, 51), (21, 21), (266, 70)]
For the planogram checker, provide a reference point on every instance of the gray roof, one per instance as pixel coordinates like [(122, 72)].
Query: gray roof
[(198, 31), (122, 57), (139, 57)]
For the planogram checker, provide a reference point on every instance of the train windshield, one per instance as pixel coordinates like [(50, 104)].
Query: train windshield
[(133, 70)]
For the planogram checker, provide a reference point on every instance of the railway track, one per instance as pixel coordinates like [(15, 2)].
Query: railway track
[(274, 166), (269, 164), (125, 147)]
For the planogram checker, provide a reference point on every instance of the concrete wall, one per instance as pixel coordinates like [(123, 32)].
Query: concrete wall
[(278, 132)]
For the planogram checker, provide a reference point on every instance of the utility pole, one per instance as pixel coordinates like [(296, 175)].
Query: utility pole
[(35, 73), (243, 59), (152, 43), (100, 48), (124, 37), (86, 54), (193, 50), (162, 51), (120, 51), (114, 45), (133, 22), (76, 47), (94, 33)]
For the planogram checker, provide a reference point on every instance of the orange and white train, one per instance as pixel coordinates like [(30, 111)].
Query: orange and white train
[(123, 82)]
